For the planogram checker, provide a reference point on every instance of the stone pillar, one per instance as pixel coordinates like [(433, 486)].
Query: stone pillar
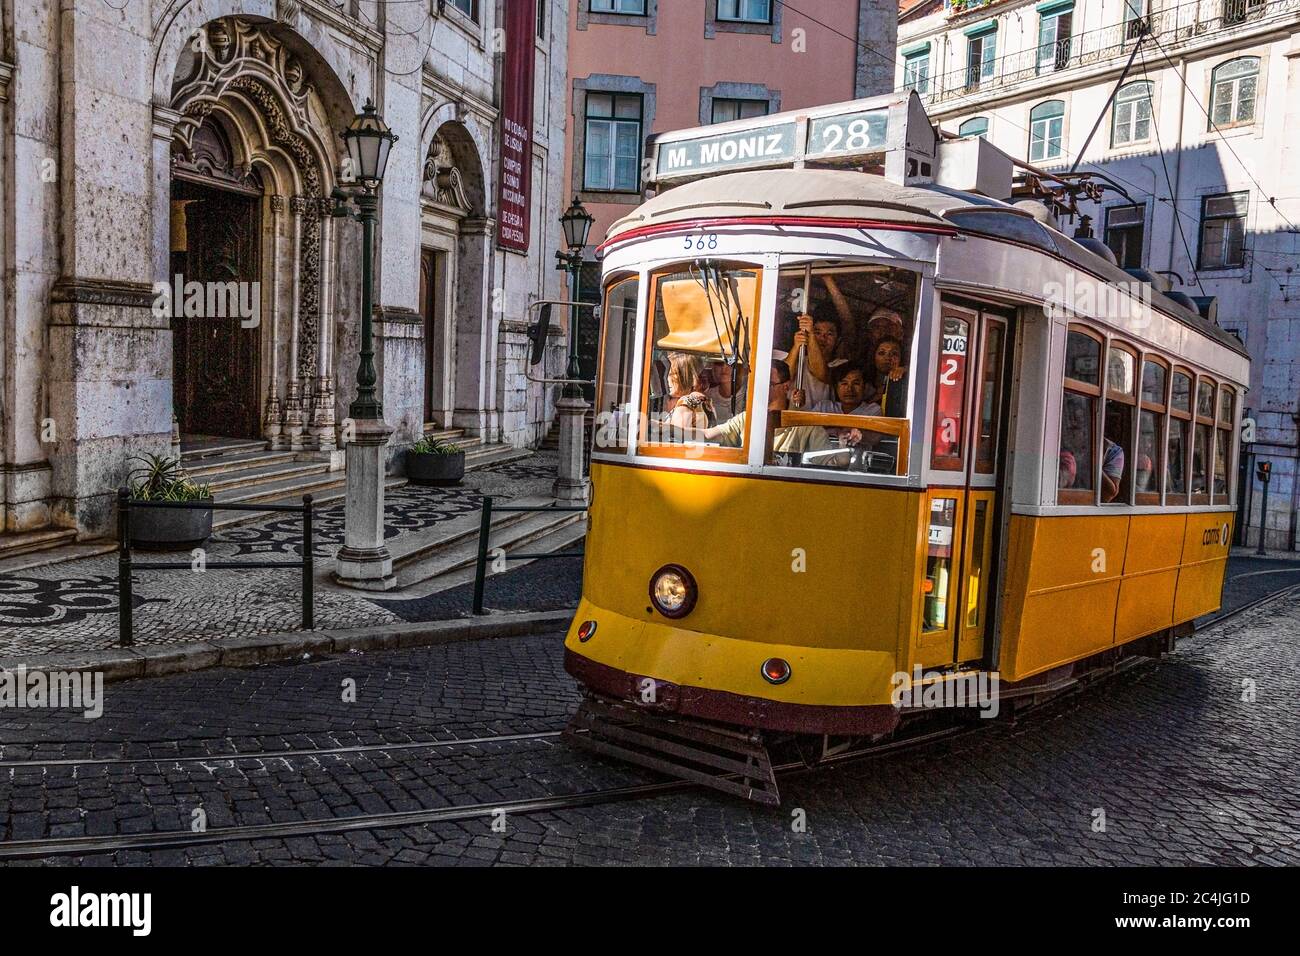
[(322, 422), (293, 405), (273, 419), (572, 486), (363, 561)]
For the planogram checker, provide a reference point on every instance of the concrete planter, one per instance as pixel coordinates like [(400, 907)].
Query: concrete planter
[(170, 529), (428, 469)]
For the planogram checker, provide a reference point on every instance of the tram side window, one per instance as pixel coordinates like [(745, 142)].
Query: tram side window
[(1150, 451), (1117, 459), (618, 350), (1180, 414), (697, 381), (1223, 483), (1202, 442), (1075, 463), (844, 333)]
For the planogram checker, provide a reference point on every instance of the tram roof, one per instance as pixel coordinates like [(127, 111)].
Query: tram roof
[(852, 195)]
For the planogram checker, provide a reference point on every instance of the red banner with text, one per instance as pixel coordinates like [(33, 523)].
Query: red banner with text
[(516, 135)]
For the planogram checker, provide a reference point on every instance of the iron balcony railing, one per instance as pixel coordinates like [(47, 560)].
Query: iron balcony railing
[(1172, 25)]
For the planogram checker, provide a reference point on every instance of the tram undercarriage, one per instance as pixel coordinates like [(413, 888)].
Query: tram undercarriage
[(644, 726)]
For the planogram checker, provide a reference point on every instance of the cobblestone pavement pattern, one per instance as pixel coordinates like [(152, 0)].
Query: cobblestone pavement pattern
[(72, 606), (1184, 767)]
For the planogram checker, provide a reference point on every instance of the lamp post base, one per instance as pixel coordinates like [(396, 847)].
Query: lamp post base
[(364, 561), (572, 486)]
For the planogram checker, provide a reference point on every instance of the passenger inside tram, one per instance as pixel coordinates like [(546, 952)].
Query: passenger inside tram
[(794, 439)]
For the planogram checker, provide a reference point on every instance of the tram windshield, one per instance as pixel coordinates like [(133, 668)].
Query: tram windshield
[(697, 386), (844, 334)]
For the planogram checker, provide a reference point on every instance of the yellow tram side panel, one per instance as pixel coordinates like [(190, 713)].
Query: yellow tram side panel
[(1076, 585), (843, 621)]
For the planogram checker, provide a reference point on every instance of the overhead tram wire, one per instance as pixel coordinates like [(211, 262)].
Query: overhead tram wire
[(966, 99), (1160, 151)]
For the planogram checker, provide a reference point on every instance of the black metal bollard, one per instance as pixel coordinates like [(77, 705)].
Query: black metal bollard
[(308, 557), (124, 604), (480, 567)]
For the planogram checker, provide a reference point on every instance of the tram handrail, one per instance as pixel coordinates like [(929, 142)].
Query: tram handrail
[(899, 427)]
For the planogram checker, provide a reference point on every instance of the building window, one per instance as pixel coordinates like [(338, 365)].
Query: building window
[(745, 11), (979, 126), (916, 71), (633, 7), (613, 142), (1130, 120), (1223, 231), (981, 52), (1232, 92), (1239, 11), (726, 110), (1136, 18), (1046, 125), (1124, 234), (1054, 39), (467, 7), (541, 19)]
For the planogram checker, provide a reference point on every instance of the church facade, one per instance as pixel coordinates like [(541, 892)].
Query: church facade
[(175, 269)]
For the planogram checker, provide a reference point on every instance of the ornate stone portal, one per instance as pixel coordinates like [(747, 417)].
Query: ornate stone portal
[(239, 79)]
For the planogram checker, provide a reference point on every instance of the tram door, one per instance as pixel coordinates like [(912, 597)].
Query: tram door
[(967, 449)]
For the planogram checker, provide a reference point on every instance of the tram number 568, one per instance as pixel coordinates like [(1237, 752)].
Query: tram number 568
[(701, 242)]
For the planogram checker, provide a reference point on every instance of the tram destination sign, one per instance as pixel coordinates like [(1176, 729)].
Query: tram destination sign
[(842, 132)]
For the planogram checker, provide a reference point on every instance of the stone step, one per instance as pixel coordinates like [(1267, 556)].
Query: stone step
[(262, 474), (227, 464), (562, 538), (192, 452), (438, 566), (330, 489), (493, 455), (25, 542)]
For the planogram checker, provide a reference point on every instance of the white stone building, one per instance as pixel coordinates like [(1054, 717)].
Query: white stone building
[(143, 139), (1035, 76)]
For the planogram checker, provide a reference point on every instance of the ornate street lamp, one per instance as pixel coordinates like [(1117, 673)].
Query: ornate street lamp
[(576, 223), (368, 141), (364, 561)]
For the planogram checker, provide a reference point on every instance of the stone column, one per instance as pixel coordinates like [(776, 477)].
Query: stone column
[(293, 405), (572, 485), (322, 422), (274, 417), (364, 561)]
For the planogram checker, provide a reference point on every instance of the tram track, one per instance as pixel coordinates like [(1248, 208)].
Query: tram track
[(81, 846), (282, 754)]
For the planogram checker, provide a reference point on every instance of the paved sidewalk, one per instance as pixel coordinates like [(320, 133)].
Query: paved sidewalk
[(72, 606)]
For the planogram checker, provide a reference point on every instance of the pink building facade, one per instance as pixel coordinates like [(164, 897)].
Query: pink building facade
[(639, 67)]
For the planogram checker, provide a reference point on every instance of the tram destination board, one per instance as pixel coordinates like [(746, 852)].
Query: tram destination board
[(843, 132)]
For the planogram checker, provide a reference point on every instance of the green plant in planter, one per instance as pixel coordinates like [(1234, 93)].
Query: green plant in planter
[(435, 446), (160, 478)]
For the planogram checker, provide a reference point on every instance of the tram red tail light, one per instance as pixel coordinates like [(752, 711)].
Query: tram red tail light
[(776, 671), (586, 631)]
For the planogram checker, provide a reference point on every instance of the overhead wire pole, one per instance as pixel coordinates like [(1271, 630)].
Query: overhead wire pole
[(1078, 158)]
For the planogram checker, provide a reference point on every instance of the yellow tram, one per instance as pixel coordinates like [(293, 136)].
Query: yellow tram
[(793, 534)]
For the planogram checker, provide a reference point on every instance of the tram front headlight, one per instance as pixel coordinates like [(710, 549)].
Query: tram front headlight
[(673, 591)]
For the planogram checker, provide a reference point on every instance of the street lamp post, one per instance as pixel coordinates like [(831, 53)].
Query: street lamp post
[(364, 560), (571, 484)]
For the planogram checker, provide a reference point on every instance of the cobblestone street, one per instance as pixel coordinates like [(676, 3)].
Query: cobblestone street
[(1184, 770)]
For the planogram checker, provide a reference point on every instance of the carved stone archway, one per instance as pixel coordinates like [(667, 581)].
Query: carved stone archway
[(246, 77)]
